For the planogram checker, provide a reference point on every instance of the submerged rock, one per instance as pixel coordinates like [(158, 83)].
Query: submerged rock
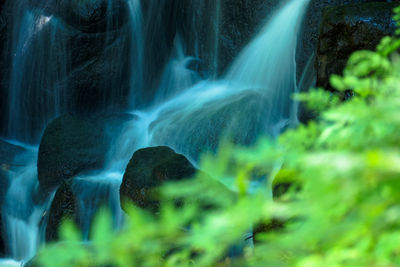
[(346, 29), (148, 169)]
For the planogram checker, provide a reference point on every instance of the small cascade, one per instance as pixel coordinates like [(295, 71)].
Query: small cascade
[(268, 64), (177, 75), (94, 192), (137, 50), (23, 218), (253, 98)]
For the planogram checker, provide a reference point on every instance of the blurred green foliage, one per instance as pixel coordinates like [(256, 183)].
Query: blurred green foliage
[(341, 205)]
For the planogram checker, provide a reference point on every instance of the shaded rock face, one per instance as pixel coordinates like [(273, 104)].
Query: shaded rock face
[(99, 78), (148, 169), (79, 57), (64, 206), (72, 145), (308, 40), (346, 29)]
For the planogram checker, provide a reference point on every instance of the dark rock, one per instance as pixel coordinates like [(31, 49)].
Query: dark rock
[(346, 29), (5, 19), (148, 169), (100, 75), (72, 145), (64, 206), (308, 39)]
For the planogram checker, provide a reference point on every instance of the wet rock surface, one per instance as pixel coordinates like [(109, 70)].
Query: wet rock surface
[(79, 50), (345, 30), (308, 40), (72, 145), (203, 128), (64, 206), (91, 16), (148, 169), (9, 160)]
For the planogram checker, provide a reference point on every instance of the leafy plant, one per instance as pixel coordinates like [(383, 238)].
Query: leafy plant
[(341, 205)]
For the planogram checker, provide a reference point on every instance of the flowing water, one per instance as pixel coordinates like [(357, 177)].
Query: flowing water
[(187, 112), (23, 217), (39, 63), (253, 98)]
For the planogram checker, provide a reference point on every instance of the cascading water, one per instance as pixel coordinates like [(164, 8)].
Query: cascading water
[(39, 65), (137, 50), (253, 98), (36, 95), (23, 218), (188, 114), (177, 75), (40, 62)]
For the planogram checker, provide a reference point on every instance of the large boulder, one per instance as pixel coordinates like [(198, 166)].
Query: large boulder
[(72, 145), (147, 170), (346, 29)]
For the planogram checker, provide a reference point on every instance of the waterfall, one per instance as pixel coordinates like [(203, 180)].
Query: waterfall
[(23, 218), (177, 74), (39, 63), (137, 50), (252, 99), (176, 105)]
